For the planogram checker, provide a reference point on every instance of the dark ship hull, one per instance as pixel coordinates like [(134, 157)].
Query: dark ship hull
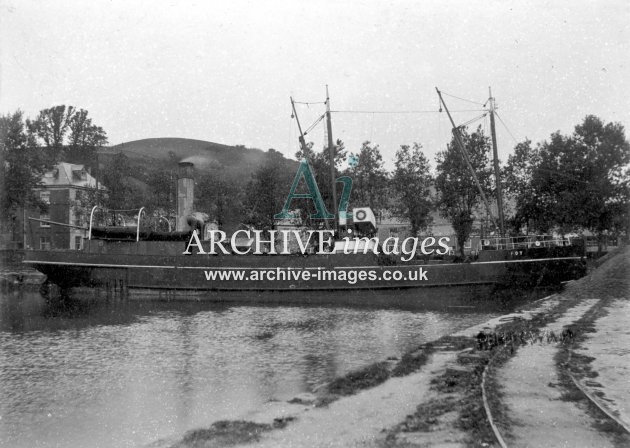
[(158, 269)]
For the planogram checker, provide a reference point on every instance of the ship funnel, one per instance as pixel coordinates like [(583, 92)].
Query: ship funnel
[(185, 194)]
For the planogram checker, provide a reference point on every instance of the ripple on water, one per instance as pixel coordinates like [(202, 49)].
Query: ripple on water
[(129, 374)]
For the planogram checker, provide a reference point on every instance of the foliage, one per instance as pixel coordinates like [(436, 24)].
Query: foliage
[(50, 127), (410, 183), (516, 177), (459, 195), (30, 147), (320, 164), (84, 137), (161, 190), (84, 201), (21, 166), (574, 182), (267, 190), (369, 179), (66, 133), (219, 196), (120, 193)]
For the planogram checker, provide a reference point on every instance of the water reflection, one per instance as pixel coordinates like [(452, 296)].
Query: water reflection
[(125, 374)]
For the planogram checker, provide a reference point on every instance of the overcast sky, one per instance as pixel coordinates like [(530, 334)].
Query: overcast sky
[(224, 71)]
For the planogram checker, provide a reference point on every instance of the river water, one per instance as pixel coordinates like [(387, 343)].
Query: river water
[(126, 374)]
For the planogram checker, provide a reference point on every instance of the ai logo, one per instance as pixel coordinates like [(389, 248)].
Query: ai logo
[(314, 195)]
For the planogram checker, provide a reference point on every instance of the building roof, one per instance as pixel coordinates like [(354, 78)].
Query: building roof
[(69, 175)]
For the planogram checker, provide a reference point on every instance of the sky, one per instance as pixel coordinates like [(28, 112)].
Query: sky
[(224, 71)]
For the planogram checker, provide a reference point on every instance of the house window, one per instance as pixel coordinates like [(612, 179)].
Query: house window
[(44, 242), (44, 196), (78, 219), (77, 242), (46, 217)]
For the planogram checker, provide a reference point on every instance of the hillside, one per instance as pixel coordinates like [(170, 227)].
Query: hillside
[(201, 153), (147, 155)]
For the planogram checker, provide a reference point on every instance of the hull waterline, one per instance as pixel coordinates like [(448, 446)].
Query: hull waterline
[(357, 278)]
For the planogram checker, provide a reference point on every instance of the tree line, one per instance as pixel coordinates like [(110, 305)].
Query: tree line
[(569, 183), (30, 147)]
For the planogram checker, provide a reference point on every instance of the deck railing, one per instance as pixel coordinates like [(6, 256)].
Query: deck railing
[(523, 242), (139, 217)]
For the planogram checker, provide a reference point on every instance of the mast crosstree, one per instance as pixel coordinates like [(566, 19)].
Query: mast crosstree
[(462, 149), (497, 171), (500, 224)]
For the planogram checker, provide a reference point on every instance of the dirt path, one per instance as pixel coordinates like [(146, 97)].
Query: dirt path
[(530, 389), (358, 420), (609, 347), (540, 408)]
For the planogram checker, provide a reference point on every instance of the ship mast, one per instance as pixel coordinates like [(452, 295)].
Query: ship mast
[(462, 150), (304, 147), (331, 154), (301, 137), (497, 172)]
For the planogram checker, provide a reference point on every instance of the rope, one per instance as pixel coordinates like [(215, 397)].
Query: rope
[(505, 126), (311, 127), (308, 103), (471, 121), (463, 99), (349, 111)]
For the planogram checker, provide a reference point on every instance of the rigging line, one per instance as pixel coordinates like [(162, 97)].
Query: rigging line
[(505, 126), (400, 111), (290, 142), (308, 103), (472, 121), (463, 99), (311, 127)]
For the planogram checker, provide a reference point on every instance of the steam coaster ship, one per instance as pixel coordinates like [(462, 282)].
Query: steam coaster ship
[(136, 262)]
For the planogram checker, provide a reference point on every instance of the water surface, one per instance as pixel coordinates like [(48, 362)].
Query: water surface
[(126, 374)]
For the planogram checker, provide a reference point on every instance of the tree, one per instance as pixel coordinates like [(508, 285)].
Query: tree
[(67, 132), (604, 152), (410, 183), (516, 181), (267, 190), (21, 167), (51, 126), (115, 177), (578, 181), (161, 192), (320, 164), (369, 178), (459, 195), (84, 137), (220, 196)]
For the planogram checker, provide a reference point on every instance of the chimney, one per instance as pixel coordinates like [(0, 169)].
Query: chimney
[(185, 194)]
